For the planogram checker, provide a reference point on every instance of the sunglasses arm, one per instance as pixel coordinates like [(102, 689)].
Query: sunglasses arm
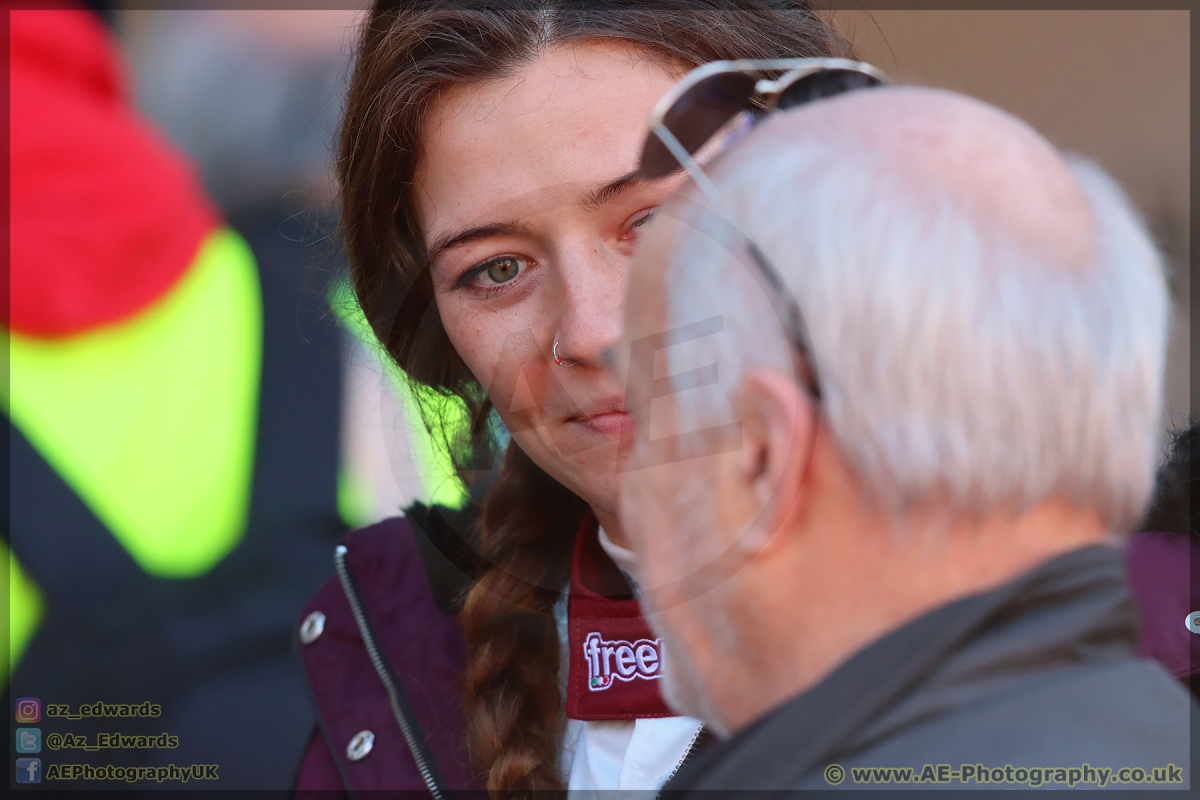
[(790, 312), (697, 175)]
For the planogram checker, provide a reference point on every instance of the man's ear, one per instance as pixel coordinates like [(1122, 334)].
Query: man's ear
[(779, 423)]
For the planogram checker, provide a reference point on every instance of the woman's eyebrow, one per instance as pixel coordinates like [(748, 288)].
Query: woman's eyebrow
[(593, 199), (450, 240), (598, 197)]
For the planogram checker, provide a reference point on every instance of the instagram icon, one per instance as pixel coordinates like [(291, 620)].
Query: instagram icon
[(29, 709)]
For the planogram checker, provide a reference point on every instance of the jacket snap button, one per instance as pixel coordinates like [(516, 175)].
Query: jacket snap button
[(360, 745), (312, 627)]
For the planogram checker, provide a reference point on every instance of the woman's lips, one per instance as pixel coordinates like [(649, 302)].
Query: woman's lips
[(612, 424)]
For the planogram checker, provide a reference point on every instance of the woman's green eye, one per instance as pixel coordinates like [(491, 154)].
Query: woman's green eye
[(503, 270)]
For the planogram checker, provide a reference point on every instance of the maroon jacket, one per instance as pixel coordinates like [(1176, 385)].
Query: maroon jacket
[(384, 656), (405, 576), (1160, 567)]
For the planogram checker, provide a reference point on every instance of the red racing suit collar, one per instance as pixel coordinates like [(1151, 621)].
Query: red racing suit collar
[(615, 659)]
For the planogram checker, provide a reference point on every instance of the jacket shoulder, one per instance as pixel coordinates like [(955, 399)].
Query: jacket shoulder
[(1124, 713), (383, 561), (402, 563), (423, 647)]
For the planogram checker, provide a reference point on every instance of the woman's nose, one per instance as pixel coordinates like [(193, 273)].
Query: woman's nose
[(592, 287)]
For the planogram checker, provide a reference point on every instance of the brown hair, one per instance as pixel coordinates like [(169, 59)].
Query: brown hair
[(408, 53)]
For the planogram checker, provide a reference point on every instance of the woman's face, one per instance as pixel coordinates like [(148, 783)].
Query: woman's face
[(530, 206)]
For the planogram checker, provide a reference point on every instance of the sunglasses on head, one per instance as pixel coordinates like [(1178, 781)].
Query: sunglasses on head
[(714, 105), (718, 103)]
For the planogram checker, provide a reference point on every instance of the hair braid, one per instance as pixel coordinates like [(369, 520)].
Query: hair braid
[(514, 708)]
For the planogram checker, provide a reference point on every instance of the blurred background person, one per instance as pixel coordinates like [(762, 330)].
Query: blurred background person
[(174, 413), (195, 415)]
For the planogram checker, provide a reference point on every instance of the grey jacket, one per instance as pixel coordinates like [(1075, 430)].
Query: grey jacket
[(1036, 682)]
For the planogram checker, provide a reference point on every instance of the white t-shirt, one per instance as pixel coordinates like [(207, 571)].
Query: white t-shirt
[(604, 756)]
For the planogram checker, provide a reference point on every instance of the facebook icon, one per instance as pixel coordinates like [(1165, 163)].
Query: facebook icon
[(29, 770)]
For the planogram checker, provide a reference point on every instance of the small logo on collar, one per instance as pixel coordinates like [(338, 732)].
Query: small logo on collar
[(609, 660)]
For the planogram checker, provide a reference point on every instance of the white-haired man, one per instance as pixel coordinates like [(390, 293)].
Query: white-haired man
[(888, 561)]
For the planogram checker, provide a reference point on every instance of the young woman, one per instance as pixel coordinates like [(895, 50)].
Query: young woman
[(490, 202)]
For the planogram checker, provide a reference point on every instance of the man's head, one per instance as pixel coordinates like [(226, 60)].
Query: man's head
[(988, 325)]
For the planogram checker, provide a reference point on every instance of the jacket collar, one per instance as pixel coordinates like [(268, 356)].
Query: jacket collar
[(615, 659), (1075, 607), (447, 541)]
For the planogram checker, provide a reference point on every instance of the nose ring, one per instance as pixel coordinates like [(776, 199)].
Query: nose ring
[(559, 361)]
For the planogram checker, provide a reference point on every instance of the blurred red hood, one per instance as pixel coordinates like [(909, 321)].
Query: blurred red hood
[(106, 215)]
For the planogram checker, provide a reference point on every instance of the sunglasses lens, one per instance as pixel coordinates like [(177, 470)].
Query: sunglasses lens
[(826, 83), (699, 113)]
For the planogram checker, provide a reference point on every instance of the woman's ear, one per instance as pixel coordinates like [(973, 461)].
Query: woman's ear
[(778, 421)]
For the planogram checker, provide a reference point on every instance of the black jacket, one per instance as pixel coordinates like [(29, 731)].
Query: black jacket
[(1038, 674)]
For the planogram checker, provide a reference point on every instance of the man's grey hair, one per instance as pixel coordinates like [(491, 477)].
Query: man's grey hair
[(955, 362)]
